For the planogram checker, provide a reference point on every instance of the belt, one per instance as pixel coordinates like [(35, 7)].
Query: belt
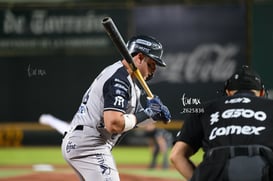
[(240, 150), (78, 127)]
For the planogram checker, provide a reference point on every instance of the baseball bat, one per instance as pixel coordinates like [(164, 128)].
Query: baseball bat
[(117, 39)]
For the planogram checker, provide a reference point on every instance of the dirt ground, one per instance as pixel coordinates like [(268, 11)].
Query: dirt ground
[(64, 173), (72, 177)]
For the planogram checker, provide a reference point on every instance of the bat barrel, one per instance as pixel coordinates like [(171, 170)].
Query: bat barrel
[(114, 34), (118, 41)]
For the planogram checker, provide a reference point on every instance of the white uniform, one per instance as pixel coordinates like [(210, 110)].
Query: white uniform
[(87, 145)]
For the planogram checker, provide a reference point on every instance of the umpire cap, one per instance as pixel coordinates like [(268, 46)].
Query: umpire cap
[(244, 79), (147, 45)]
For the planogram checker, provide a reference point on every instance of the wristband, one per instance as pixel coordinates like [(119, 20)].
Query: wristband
[(129, 122)]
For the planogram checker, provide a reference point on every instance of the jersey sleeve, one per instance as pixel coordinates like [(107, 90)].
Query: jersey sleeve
[(191, 132), (116, 93)]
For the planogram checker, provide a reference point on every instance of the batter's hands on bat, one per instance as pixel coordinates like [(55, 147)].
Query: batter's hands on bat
[(157, 111)]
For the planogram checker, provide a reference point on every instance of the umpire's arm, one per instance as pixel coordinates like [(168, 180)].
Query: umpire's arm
[(180, 158)]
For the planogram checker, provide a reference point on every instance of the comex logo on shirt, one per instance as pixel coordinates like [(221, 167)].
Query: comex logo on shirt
[(236, 129)]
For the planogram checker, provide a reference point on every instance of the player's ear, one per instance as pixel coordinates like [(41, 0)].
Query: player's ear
[(136, 58), (262, 93), (230, 92), (141, 57), (227, 92)]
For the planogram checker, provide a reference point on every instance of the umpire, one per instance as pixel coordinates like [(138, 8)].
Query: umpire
[(234, 131)]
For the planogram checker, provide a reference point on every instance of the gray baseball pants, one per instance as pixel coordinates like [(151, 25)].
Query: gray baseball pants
[(91, 163)]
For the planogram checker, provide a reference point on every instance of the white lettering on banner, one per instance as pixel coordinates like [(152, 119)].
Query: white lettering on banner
[(43, 23), (208, 62), (238, 100), (53, 43), (245, 113), (235, 130), (13, 24)]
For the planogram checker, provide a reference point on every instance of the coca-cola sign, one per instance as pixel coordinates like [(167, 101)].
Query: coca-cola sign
[(206, 63)]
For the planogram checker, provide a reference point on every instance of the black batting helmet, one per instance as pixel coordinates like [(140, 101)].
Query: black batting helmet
[(244, 79), (147, 45)]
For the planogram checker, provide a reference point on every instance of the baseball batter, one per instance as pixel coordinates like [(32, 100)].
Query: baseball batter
[(234, 131), (109, 108)]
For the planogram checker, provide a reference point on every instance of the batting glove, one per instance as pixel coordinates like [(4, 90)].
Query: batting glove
[(155, 110)]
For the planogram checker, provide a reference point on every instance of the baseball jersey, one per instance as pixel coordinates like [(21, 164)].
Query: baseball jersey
[(113, 89), (242, 119)]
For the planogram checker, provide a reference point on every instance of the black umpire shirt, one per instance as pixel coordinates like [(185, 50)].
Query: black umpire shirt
[(242, 119)]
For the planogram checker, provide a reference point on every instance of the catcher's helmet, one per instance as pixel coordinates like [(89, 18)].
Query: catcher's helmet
[(244, 79), (147, 45)]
